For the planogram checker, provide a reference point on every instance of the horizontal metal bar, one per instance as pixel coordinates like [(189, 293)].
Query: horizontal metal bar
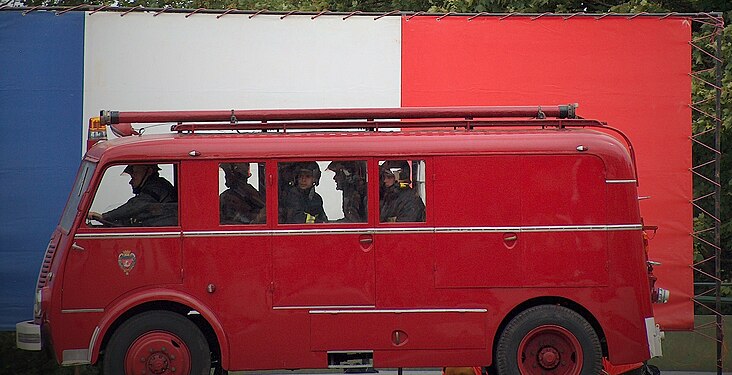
[(320, 230), (322, 307), (329, 114), (399, 311), (376, 125), (87, 7), (127, 234), (713, 299), (74, 311), (710, 284)]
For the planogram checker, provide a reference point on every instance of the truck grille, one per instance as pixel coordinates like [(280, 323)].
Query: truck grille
[(46, 267)]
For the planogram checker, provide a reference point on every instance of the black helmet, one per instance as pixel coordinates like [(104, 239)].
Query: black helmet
[(399, 168), (129, 168), (310, 167), (236, 168), (347, 166)]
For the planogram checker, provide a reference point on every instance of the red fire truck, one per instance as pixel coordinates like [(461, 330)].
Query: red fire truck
[(501, 237)]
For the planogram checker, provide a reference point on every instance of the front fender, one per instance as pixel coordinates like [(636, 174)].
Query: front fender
[(138, 297)]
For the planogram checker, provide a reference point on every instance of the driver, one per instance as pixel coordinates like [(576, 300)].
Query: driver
[(155, 201)]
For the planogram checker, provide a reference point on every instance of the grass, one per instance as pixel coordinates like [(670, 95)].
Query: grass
[(14, 361)]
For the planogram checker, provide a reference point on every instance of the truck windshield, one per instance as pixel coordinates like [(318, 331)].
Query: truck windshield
[(80, 185)]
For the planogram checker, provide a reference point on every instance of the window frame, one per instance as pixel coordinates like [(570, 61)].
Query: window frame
[(97, 183)]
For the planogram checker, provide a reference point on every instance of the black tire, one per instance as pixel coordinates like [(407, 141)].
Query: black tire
[(646, 369), (155, 341), (548, 338)]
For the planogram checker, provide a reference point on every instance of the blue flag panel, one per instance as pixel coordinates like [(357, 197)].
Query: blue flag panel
[(41, 83)]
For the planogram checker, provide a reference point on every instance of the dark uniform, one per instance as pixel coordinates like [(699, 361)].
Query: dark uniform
[(241, 203), (349, 178), (155, 204), (302, 206), (354, 204), (401, 204)]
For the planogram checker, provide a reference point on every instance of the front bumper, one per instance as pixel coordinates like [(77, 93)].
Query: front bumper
[(28, 336), (654, 334)]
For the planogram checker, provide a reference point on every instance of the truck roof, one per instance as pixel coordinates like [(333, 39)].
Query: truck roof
[(382, 144)]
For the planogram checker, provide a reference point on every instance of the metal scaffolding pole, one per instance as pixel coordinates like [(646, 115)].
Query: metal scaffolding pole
[(706, 172)]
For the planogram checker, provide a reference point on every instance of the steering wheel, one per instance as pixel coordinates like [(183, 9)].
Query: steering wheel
[(105, 223)]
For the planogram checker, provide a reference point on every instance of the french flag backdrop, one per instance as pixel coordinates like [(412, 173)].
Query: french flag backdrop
[(56, 71)]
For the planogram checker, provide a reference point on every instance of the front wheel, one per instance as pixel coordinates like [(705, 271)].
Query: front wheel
[(157, 342), (548, 339)]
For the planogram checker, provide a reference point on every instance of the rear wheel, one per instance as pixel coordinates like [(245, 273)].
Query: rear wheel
[(157, 342), (548, 339)]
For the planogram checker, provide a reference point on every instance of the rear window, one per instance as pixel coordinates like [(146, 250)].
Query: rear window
[(80, 185)]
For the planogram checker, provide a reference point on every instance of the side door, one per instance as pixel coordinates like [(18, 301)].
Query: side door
[(135, 243), (565, 219), (478, 218), (322, 256), (227, 255)]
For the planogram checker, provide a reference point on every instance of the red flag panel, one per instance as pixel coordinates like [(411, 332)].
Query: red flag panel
[(632, 73)]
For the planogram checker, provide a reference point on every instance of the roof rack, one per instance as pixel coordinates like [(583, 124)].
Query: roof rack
[(351, 118), (559, 116)]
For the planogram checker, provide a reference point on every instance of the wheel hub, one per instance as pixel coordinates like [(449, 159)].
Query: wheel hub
[(550, 349), (157, 353), (549, 358), (158, 363)]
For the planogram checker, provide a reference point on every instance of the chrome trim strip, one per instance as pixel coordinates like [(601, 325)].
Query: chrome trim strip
[(128, 234), (581, 228), (93, 341), (321, 307), (621, 181), (227, 233), (398, 311), (278, 232), (526, 229), (477, 229), (73, 311), (301, 232)]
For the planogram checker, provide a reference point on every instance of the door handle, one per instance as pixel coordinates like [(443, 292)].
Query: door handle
[(76, 247), (366, 241), (510, 239)]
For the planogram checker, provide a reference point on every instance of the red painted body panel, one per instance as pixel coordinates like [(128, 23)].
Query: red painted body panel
[(418, 331), (158, 262), (323, 270), (261, 286)]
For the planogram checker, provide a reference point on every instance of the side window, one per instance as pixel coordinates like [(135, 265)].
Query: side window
[(322, 191), (242, 193), (136, 195), (402, 191)]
